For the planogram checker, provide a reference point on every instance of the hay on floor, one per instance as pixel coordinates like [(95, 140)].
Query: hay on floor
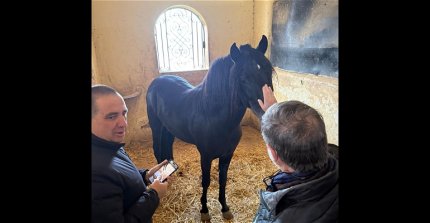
[(249, 165)]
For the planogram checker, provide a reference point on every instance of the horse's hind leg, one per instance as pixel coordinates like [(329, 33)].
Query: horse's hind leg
[(162, 139), (206, 164), (167, 139), (156, 127), (224, 163)]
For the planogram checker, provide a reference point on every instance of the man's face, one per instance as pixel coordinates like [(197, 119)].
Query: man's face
[(110, 121)]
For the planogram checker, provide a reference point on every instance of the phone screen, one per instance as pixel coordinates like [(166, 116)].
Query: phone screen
[(164, 171)]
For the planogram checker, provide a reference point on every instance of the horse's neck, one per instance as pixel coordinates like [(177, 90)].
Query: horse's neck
[(217, 91)]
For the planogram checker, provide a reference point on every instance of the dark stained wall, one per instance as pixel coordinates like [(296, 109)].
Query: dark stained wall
[(305, 36)]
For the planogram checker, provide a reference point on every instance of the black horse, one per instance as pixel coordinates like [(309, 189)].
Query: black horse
[(209, 114)]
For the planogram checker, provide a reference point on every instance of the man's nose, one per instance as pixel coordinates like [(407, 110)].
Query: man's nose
[(122, 121)]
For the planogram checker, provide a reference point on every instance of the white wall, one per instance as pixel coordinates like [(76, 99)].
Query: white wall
[(124, 45), (124, 55)]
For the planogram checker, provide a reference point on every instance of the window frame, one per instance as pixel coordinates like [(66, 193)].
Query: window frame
[(162, 50)]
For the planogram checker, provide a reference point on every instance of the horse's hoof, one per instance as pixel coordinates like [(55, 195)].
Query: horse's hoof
[(227, 215), (205, 216)]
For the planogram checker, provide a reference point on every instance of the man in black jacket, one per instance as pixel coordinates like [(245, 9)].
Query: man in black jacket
[(120, 192), (305, 189)]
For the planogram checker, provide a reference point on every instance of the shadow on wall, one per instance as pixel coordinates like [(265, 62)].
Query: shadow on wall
[(305, 36)]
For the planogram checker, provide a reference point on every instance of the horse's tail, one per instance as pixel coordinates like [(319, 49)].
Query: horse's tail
[(162, 139)]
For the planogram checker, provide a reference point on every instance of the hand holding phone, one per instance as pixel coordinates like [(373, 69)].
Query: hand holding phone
[(164, 171)]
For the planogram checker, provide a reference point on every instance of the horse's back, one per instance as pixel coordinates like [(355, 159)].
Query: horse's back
[(169, 90), (167, 83)]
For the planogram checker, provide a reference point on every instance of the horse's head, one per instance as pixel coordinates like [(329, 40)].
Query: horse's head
[(254, 70)]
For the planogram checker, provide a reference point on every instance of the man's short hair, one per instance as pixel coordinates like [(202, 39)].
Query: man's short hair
[(97, 91), (297, 133)]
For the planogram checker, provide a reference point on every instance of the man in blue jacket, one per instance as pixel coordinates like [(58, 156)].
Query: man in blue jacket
[(120, 191), (305, 188)]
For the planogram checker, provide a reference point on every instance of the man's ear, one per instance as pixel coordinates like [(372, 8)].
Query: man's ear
[(272, 152)]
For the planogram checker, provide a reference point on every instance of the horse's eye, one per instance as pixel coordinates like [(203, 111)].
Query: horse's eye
[(258, 66)]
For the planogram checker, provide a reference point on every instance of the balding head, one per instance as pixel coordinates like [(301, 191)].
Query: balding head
[(297, 133)]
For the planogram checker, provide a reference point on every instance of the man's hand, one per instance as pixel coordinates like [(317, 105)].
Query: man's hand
[(269, 98), (160, 187)]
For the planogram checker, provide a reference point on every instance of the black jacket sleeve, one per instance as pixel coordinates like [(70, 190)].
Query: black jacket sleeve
[(143, 173), (108, 207), (144, 208)]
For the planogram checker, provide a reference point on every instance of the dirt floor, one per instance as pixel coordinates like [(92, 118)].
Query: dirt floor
[(250, 164)]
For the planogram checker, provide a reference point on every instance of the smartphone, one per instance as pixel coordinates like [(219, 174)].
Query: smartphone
[(164, 171)]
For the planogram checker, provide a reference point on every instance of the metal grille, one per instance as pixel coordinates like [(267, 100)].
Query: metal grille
[(180, 41)]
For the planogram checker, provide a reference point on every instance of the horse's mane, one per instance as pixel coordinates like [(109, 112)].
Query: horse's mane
[(220, 87), (215, 86)]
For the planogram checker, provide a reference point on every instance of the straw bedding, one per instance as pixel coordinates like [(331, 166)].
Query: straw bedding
[(249, 165)]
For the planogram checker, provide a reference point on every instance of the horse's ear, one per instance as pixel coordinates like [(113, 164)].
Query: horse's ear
[(234, 52), (262, 46)]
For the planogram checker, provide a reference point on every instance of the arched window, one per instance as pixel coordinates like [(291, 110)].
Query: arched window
[(181, 40)]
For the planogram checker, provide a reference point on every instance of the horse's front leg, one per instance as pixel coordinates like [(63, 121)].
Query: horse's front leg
[(224, 163), (206, 180)]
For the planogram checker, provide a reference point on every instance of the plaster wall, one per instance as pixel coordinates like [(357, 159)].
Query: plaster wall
[(125, 51), (124, 55), (93, 64), (319, 92)]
